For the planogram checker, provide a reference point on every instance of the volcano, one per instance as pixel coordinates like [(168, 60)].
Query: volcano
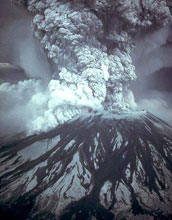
[(95, 166)]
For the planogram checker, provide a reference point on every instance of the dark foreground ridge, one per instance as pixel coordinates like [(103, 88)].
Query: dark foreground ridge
[(96, 166)]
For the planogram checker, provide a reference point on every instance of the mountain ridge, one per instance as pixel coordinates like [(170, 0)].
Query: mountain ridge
[(98, 165)]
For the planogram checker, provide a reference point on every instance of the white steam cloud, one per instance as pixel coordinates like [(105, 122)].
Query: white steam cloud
[(21, 103)]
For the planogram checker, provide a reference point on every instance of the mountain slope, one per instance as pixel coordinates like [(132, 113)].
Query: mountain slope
[(96, 166)]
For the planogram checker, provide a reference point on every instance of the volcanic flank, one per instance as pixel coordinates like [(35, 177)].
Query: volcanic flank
[(96, 166)]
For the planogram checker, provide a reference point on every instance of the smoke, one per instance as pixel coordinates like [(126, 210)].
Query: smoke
[(20, 105), (89, 47)]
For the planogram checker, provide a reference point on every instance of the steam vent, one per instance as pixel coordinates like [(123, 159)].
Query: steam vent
[(96, 166)]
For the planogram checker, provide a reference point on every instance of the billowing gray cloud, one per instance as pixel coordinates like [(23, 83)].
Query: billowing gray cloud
[(89, 45)]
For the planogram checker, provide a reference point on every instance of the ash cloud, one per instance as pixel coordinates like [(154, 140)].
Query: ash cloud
[(89, 47), (20, 104)]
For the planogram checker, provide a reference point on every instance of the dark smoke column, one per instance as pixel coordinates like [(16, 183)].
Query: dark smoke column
[(90, 43)]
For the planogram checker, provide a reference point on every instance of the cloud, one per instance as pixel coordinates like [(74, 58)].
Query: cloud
[(158, 107), (18, 44), (20, 104), (153, 53), (88, 72)]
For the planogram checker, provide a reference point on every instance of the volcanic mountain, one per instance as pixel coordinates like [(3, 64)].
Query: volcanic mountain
[(95, 166)]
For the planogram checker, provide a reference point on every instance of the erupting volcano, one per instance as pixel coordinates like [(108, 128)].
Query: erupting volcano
[(74, 145)]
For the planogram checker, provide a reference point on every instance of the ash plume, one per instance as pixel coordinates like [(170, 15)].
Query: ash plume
[(89, 46)]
